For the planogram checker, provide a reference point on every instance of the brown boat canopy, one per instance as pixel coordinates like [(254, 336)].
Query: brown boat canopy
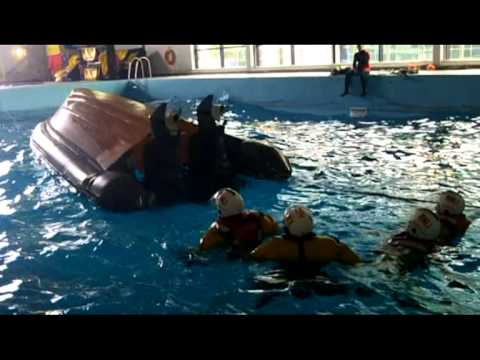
[(104, 126)]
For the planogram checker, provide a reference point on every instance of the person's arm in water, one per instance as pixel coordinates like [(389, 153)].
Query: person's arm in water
[(212, 239), (346, 255), (269, 225), (265, 251)]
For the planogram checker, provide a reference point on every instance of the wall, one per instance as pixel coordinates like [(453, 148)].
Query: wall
[(34, 67), (390, 97), (160, 67), (50, 95)]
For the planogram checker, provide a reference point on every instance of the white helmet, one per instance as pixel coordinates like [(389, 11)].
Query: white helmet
[(450, 203), (299, 220), (172, 115), (424, 225), (228, 202)]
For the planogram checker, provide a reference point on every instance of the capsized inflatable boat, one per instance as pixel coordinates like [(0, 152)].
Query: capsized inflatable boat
[(92, 136)]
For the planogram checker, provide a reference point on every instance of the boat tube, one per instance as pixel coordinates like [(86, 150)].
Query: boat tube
[(93, 137)]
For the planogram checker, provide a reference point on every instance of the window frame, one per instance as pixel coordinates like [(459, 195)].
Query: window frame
[(462, 61), (439, 58), (222, 68)]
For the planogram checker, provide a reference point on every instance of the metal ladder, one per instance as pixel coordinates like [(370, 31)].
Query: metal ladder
[(137, 61)]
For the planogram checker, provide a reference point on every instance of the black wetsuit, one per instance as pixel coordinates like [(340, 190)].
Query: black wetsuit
[(209, 169), (163, 175), (361, 64)]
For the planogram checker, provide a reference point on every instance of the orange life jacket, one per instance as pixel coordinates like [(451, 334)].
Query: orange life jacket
[(244, 229)]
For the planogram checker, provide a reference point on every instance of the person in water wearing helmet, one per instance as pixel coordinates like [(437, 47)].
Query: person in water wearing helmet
[(449, 209), (181, 161), (236, 227), (210, 166), (361, 68), (299, 245), (410, 247), (164, 171)]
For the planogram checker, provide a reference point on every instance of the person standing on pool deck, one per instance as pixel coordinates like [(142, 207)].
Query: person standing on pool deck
[(361, 67), (301, 247)]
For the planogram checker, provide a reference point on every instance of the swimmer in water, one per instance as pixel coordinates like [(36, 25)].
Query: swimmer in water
[(301, 247), (183, 161), (411, 247), (235, 227), (449, 209), (165, 172)]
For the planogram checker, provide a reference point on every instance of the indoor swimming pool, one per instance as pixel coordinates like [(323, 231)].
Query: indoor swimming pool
[(61, 254)]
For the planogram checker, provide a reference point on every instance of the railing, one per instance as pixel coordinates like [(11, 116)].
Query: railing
[(139, 61)]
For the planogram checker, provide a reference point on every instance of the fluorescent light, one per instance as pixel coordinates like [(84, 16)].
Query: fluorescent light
[(19, 52)]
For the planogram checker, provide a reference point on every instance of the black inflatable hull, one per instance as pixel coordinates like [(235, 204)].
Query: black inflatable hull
[(88, 139), (107, 188)]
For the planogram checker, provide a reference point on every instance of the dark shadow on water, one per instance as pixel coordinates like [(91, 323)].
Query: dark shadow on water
[(301, 283)]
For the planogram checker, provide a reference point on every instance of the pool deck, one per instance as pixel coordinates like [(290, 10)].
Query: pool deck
[(288, 74)]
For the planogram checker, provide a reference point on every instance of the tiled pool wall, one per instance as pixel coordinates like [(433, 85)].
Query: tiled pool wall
[(389, 95)]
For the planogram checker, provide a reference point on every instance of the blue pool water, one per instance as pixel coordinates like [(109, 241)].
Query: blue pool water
[(60, 254)]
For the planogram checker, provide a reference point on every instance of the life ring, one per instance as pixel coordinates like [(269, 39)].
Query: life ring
[(170, 57)]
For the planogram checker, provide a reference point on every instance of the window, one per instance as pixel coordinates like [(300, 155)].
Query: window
[(220, 56), (274, 55), (463, 52), (211, 57), (208, 57), (235, 56), (313, 54), (347, 52), (398, 53)]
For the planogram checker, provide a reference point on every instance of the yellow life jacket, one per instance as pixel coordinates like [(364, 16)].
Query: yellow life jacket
[(103, 63), (122, 54), (54, 49), (89, 54), (91, 73), (310, 249), (132, 56), (72, 63)]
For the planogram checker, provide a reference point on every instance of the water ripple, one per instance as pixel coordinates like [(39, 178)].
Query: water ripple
[(61, 254)]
